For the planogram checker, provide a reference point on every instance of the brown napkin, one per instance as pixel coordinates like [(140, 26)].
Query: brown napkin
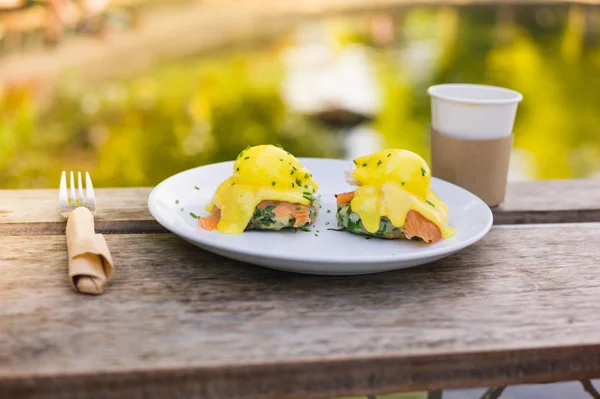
[(90, 263)]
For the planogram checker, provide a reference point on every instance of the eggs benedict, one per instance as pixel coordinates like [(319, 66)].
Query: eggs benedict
[(394, 199), (269, 190)]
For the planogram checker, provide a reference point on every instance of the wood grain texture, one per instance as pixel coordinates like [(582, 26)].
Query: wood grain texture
[(550, 201), (32, 212), (124, 210), (523, 305)]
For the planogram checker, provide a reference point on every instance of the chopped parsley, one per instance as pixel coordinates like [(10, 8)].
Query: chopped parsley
[(354, 162), (423, 171), (368, 238), (177, 201), (273, 183), (306, 175), (298, 208), (307, 193), (389, 155), (364, 164), (403, 183), (379, 162), (192, 214), (233, 184), (430, 203), (292, 172), (237, 169), (181, 209), (327, 224), (281, 159), (306, 185), (293, 185), (197, 188), (304, 228), (246, 157), (298, 182), (316, 235), (328, 210)]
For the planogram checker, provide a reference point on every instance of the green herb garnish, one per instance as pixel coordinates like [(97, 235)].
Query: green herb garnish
[(368, 238), (293, 185), (197, 188), (177, 201), (403, 183), (237, 169), (298, 208), (298, 182), (389, 155), (192, 214), (328, 210), (430, 203), (364, 164), (292, 172), (423, 171), (247, 158), (273, 183), (304, 228), (354, 162), (379, 162), (306, 175)]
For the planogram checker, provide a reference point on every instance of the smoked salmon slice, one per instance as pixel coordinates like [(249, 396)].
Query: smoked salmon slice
[(344, 198), (301, 214), (417, 225), (211, 221)]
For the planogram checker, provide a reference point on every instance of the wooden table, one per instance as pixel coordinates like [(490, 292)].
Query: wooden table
[(521, 306)]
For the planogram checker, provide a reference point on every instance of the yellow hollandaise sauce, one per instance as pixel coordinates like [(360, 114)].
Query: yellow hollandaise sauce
[(260, 173), (392, 183)]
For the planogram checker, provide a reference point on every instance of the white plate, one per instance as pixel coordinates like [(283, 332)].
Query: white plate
[(331, 252)]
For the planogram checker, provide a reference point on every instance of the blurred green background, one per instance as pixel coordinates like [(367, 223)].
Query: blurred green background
[(332, 86)]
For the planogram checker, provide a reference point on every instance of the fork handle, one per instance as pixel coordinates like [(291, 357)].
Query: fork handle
[(90, 263)]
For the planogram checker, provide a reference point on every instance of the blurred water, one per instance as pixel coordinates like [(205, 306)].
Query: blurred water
[(340, 86)]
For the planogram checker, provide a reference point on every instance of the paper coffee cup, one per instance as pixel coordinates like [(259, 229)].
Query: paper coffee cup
[(472, 138)]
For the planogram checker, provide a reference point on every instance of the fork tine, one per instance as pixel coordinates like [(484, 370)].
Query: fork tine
[(63, 199), (80, 190), (72, 198), (89, 194)]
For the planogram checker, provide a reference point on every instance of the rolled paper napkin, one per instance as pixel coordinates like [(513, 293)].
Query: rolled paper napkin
[(90, 263), (479, 166)]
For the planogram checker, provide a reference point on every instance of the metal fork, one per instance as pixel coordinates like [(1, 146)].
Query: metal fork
[(90, 262), (71, 198)]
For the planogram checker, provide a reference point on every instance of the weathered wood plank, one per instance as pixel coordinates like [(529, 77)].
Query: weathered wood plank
[(124, 210), (520, 306), (550, 201), (32, 212)]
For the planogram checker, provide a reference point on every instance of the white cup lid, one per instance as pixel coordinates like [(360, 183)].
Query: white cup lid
[(475, 94)]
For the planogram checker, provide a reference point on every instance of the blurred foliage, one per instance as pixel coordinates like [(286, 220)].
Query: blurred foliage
[(181, 114)]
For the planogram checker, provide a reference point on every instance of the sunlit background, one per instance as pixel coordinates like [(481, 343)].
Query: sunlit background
[(134, 97)]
